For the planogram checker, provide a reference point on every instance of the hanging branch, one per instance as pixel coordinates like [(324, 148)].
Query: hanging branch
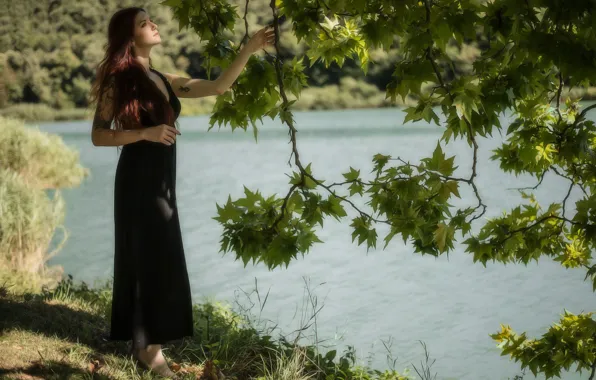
[(471, 136), (245, 37), (292, 132)]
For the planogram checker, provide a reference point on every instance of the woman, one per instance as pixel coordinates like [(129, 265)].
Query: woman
[(151, 301)]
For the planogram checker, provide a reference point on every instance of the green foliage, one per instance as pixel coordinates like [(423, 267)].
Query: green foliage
[(43, 159), (50, 51), (48, 56), (31, 112), (525, 54), (28, 220), (567, 344), (30, 162), (39, 112)]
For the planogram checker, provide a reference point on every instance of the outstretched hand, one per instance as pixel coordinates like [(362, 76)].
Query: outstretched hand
[(261, 39)]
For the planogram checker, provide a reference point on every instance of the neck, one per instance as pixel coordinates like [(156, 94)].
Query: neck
[(142, 56)]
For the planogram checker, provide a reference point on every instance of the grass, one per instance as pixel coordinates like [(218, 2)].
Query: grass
[(28, 220), (61, 332), (31, 163)]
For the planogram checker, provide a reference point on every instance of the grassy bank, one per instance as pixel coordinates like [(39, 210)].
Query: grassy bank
[(60, 332), (349, 94)]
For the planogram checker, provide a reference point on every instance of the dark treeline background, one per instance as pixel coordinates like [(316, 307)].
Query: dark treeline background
[(49, 50)]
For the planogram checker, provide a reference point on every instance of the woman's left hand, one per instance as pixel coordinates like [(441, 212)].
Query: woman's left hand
[(261, 39)]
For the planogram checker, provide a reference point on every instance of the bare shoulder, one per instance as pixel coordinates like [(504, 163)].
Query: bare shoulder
[(173, 77)]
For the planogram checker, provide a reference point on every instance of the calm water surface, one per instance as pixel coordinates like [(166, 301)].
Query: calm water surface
[(449, 303)]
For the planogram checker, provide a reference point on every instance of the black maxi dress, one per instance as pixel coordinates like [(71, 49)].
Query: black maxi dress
[(151, 292)]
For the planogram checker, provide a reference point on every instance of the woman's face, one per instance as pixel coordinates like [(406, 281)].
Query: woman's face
[(145, 32)]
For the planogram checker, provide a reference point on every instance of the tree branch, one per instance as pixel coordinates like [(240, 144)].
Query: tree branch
[(566, 198), (534, 187), (585, 111), (581, 186), (211, 25), (579, 118), (245, 37), (559, 97), (292, 132), (537, 222), (283, 206), (470, 130), (499, 52), (593, 371)]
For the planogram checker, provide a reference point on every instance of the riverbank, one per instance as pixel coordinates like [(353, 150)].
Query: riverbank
[(60, 332), (349, 94)]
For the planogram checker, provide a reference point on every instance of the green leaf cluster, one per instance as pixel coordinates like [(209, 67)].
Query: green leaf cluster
[(527, 54), (567, 345)]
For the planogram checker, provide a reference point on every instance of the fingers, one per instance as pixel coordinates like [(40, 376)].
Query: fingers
[(269, 37), (267, 30), (173, 130), (169, 135)]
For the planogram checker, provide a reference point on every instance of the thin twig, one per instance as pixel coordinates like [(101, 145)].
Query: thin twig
[(209, 23), (245, 37), (292, 129), (581, 186), (499, 52), (283, 206), (366, 183), (578, 119), (567, 197), (292, 132), (585, 111), (534, 187), (559, 97), (593, 371), (470, 130), (540, 221)]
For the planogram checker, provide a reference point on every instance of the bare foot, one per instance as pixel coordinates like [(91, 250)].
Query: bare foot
[(153, 358)]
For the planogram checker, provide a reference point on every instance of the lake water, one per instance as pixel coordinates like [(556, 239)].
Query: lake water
[(449, 303)]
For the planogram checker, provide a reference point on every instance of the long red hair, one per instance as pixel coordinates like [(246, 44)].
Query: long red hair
[(133, 89)]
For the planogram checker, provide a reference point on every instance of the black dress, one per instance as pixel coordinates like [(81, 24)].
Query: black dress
[(151, 300)]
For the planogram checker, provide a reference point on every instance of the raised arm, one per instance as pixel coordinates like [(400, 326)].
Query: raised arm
[(102, 133), (184, 87), (198, 88)]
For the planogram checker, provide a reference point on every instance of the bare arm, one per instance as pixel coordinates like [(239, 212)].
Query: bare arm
[(229, 75), (197, 88), (192, 87), (101, 132)]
